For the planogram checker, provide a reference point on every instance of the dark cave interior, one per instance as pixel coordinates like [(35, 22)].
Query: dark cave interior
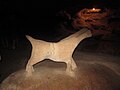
[(40, 19)]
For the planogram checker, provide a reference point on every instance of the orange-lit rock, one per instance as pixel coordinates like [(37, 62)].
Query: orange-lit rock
[(94, 19), (94, 10)]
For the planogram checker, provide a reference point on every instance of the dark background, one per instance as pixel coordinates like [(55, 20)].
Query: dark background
[(20, 16)]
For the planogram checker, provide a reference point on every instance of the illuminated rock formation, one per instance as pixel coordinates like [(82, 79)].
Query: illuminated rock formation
[(98, 22), (59, 52)]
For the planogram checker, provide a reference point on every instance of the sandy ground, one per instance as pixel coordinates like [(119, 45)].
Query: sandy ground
[(95, 72)]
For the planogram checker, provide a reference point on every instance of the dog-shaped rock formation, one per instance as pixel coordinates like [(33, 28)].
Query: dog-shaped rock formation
[(61, 51)]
